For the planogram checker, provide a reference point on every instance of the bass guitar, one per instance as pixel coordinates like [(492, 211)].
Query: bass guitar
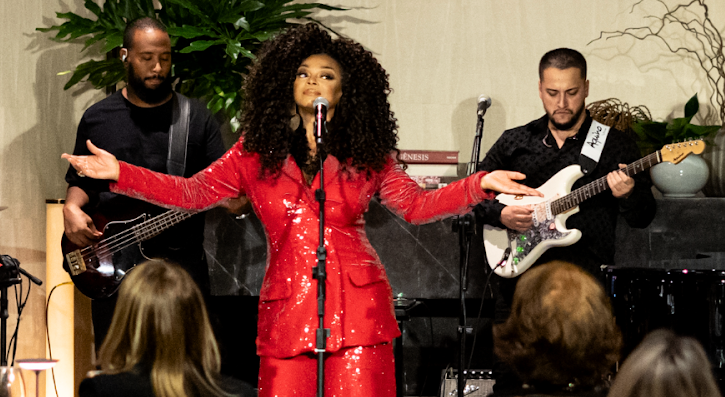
[(510, 252), (97, 270)]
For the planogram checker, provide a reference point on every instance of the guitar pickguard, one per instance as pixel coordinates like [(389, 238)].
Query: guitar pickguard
[(510, 253), (523, 243)]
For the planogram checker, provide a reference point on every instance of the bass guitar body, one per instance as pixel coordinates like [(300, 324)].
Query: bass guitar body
[(510, 252), (97, 270)]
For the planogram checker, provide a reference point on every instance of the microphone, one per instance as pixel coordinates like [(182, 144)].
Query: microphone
[(320, 105), (484, 103)]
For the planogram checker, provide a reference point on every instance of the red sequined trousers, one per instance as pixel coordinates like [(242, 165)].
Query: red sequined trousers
[(363, 371)]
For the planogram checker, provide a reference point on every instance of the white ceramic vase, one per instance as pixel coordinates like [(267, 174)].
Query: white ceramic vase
[(683, 179)]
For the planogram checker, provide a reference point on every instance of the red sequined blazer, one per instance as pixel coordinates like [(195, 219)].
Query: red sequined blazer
[(359, 310)]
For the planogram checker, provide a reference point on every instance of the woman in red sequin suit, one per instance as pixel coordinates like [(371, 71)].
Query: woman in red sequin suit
[(276, 165)]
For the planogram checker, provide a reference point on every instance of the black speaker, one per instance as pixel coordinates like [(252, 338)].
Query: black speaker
[(479, 383)]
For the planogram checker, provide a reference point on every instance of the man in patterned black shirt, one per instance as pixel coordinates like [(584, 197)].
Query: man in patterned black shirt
[(545, 146)]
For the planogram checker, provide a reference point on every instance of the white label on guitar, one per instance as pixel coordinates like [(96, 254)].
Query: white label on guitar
[(594, 143)]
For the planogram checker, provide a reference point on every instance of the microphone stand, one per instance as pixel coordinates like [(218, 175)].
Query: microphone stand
[(320, 272), (465, 227)]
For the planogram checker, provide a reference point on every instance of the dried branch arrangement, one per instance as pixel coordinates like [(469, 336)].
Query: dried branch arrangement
[(686, 29), (618, 114)]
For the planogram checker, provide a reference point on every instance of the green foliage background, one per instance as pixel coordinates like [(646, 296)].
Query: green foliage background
[(213, 41), (653, 135)]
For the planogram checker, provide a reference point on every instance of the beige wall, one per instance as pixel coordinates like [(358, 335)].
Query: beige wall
[(37, 122), (441, 55)]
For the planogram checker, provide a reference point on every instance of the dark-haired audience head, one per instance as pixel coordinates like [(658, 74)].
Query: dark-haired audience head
[(146, 54), (561, 330), (281, 84), (666, 365), (160, 325)]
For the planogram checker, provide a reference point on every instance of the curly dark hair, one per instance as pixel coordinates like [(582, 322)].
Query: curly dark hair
[(561, 329), (363, 129)]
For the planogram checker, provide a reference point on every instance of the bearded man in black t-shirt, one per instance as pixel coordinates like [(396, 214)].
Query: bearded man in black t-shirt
[(133, 124)]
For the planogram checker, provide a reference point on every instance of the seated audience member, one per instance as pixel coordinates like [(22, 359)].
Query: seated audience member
[(160, 342), (666, 365), (561, 337)]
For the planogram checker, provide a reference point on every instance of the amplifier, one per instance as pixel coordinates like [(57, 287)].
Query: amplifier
[(479, 383)]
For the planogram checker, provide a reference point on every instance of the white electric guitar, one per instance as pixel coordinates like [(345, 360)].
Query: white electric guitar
[(510, 252)]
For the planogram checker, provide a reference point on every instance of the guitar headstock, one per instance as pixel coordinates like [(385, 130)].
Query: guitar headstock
[(676, 152)]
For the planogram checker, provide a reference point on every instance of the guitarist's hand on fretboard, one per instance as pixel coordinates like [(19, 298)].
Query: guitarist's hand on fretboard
[(517, 217), (621, 184)]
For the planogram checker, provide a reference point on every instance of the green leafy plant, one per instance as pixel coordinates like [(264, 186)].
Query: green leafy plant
[(653, 135), (213, 41)]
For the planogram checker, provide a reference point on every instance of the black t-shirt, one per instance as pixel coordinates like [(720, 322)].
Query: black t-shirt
[(140, 136)]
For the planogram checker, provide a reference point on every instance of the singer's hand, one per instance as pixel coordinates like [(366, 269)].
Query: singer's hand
[(503, 181), (100, 165)]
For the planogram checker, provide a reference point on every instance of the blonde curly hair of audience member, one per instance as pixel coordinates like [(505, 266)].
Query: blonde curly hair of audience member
[(561, 330), (161, 325), (665, 365)]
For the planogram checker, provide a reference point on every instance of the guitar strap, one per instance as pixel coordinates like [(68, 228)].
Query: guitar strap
[(593, 145), (178, 135)]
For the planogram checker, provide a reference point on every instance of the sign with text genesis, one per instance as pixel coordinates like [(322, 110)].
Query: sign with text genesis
[(429, 156)]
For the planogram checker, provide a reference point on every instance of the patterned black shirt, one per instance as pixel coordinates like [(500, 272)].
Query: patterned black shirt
[(532, 150)]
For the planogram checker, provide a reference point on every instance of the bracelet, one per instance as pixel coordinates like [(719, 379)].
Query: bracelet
[(243, 216)]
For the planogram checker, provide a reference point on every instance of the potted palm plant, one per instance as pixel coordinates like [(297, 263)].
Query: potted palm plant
[(213, 41)]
